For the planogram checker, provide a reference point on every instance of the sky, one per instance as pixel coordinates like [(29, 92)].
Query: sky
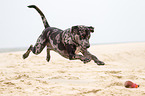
[(114, 21)]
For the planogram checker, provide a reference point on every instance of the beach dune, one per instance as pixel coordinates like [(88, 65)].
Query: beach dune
[(35, 76)]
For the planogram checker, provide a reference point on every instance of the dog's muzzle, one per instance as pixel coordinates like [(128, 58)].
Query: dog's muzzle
[(87, 46)]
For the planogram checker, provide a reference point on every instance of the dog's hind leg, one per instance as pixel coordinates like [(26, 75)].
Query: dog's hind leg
[(48, 54), (28, 52), (37, 49)]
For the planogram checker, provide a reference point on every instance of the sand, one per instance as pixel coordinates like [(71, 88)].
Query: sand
[(62, 77)]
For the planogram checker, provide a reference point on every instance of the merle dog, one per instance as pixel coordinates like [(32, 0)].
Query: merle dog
[(66, 42)]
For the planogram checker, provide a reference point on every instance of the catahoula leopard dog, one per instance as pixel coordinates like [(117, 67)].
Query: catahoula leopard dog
[(67, 42)]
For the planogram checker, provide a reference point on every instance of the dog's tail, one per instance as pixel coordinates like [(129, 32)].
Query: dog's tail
[(41, 14)]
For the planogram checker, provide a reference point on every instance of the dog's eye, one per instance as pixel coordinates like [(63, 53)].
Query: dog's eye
[(83, 37)]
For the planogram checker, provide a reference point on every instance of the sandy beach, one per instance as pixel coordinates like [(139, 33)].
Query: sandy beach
[(35, 76)]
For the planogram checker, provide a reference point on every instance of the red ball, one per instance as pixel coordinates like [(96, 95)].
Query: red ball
[(129, 84)]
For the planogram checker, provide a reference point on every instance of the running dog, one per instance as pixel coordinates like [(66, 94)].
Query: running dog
[(67, 42)]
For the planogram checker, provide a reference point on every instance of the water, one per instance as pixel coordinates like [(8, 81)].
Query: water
[(3, 50)]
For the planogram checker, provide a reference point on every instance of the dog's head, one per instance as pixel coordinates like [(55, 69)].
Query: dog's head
[(81, 35)]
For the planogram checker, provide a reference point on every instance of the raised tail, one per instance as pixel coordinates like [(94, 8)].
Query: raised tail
[(41, 14)]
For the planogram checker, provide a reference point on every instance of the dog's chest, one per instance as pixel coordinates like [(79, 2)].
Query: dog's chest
[(78, 49)]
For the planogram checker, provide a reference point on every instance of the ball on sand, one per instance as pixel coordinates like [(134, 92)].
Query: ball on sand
[(129, 84)]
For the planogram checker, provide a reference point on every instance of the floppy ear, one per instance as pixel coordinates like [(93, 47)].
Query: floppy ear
[(74, 29), (91, 29)]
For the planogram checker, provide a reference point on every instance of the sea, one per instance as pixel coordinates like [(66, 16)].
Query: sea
[(4, 50)]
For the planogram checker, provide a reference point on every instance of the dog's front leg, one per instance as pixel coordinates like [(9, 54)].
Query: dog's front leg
[(72, 56), (76, 56), (87, 54)]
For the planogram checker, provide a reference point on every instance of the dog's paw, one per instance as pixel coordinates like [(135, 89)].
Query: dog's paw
[(100, 63), (47, 59), (25, 55)]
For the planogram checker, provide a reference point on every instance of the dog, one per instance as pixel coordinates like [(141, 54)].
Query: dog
[(65, 42)]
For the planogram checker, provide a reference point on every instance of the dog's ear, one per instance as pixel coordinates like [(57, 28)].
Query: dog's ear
[(91, 29), (74, 29)]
